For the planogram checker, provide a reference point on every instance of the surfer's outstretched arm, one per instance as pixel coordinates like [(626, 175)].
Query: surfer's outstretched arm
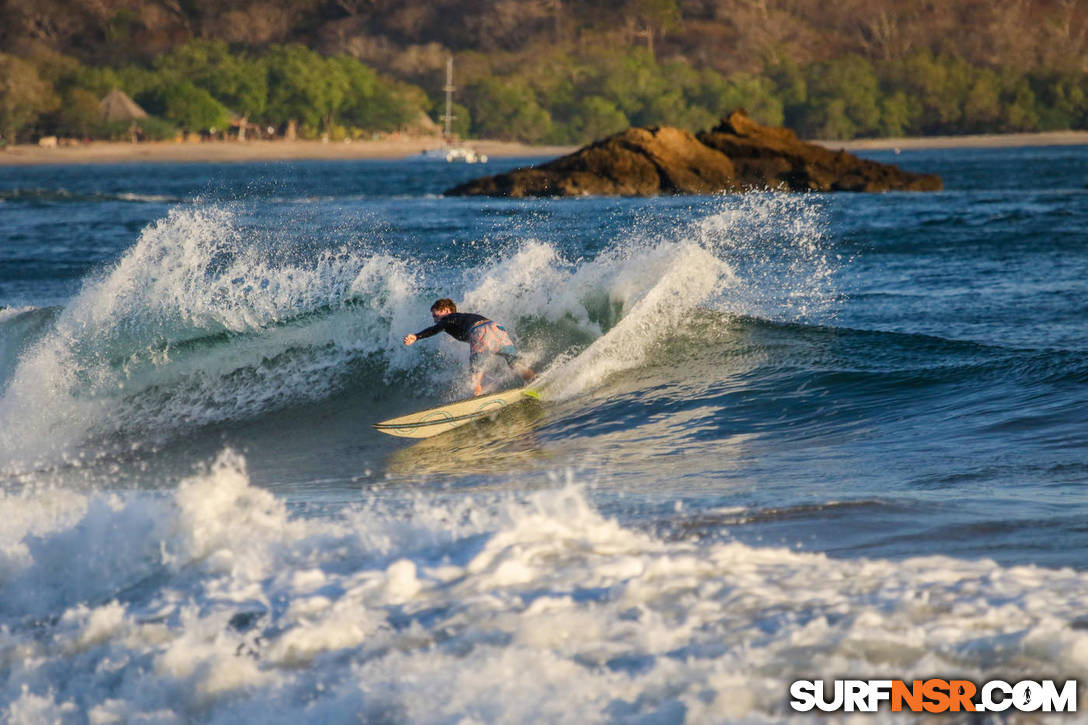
[(432, 330)]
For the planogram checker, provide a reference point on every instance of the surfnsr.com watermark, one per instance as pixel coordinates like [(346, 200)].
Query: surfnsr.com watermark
[(933, 695)]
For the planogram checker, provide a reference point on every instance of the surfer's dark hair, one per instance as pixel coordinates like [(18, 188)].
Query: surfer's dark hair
[(444, 304)]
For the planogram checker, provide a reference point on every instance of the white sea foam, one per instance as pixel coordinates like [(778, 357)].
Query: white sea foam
[(215, 603), (136, 349), (130, 196), (760, 255), (9, 313)]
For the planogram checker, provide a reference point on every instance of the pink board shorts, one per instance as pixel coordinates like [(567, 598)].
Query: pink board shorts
[(489, 338)]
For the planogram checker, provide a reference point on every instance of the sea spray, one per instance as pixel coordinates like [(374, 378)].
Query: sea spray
[(196, 324), (761, 255), (205, 320), (656, 298), (779, 251)]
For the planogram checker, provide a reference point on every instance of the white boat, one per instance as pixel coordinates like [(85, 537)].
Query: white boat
[(454, 154), (447, 152)]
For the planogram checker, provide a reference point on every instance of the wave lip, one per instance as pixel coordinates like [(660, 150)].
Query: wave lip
[(762, 255)]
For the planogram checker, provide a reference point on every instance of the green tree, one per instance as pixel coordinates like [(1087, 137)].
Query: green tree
[(330, 97), (98, 81), (1018, 104), (139, 82), (896, 114), (788, 80), (373, 102), (682, 103), (155, 129), (302, 85), (843, 99), (507, 109), (1061, 99), (755, 94), (827, 118), (667, 107), (53, 68), (24, 96), (597, 118), (982, 105), (552, 75), (462, 121), (237, 81), (190, 107), (938, 87), (79, 114), (631, 81)]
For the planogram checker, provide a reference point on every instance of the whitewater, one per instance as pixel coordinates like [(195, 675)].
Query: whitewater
[(782, 437)]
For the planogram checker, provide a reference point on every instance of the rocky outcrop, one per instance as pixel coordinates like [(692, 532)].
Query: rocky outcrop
[(775, 158), (737, 155)]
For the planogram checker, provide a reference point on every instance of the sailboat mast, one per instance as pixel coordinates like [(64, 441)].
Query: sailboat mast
[(448, 118)]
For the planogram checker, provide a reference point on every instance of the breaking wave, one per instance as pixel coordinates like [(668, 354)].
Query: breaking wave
[(204, 321)]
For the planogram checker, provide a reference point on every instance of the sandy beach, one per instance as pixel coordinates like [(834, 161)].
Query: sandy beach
[(104, 152)]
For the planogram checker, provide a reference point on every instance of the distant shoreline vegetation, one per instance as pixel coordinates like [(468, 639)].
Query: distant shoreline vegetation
[(203, 87), (551, 96)]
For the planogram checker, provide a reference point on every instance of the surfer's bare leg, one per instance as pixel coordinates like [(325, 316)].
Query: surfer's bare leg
[(477, 383)]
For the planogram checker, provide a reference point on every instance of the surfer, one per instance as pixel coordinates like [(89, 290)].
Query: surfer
[(484, 337)]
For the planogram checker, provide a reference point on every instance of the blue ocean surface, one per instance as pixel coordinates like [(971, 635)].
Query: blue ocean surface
[(782, 436)]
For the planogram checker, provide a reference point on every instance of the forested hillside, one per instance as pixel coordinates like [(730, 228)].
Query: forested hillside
[(555, 71)]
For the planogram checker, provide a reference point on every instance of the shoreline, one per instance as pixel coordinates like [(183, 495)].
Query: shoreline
[(974, 141), (119, 152)]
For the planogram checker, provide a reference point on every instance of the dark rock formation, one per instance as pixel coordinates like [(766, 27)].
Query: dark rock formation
[(737, 155), (775, 158)]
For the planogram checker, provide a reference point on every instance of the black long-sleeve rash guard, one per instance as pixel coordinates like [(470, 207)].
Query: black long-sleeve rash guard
[(457, 324)]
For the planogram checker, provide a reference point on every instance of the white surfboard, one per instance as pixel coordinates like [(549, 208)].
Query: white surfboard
[(433, 421)]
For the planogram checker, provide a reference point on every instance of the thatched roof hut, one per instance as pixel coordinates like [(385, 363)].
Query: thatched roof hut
[(117, 106)]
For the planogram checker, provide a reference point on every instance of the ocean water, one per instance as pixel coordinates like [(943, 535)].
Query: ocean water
[(782, 437)]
